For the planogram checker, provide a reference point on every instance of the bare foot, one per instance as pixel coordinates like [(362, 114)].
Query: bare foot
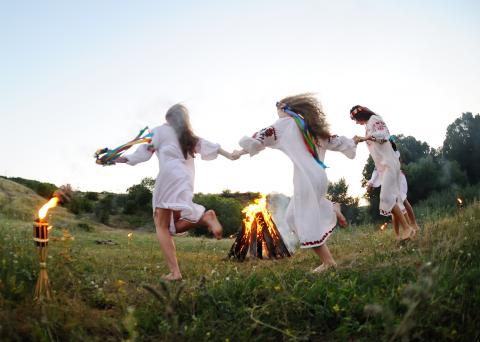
[(407, 234), (213, 225), (323, 267), (172, 277), (342, 221)]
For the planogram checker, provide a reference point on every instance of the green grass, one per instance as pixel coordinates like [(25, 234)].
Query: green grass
[(426, 290)]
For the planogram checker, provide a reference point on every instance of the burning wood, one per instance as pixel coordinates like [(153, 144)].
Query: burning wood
[(259, 235)]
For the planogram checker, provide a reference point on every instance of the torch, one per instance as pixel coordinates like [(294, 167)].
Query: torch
[(40, 236), (459, 202)]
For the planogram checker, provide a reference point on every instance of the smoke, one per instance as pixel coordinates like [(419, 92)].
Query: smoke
[(277, 205)]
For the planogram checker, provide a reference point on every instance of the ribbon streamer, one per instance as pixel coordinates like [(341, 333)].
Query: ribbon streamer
[(105, 156), (307, 137)]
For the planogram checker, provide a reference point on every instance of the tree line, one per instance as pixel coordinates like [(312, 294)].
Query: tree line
[(452, 167)]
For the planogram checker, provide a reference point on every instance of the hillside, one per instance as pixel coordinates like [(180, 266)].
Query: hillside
[(18, 202)]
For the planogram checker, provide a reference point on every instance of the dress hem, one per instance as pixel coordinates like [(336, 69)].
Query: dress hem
[(318, 243)]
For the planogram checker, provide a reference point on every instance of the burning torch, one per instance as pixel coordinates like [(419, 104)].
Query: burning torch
[(40, 237)]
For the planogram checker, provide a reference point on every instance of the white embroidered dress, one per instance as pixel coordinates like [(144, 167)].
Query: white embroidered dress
[(386, 163), (376, 181), (175, 180), (309, 213)]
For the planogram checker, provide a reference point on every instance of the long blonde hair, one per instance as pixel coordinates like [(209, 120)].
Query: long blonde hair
[(310, 108), (177, 116)]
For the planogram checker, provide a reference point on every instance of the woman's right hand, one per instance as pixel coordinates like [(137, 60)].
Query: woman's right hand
[(237, 154)]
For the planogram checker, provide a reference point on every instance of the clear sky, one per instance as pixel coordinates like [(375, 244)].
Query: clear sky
[(78, 76)]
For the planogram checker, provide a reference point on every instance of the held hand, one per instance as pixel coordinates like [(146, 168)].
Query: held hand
[(358, 139), (237, 154), (369, 187)]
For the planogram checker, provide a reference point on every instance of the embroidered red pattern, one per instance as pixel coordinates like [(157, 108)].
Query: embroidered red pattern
[(265, 133), (379, 125), (317, 242)]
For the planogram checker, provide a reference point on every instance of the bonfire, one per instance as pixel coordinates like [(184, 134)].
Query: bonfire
[(259, 236)]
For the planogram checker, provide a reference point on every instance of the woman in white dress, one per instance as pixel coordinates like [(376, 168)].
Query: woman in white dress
[(375, 181), (309, 213), (175, 145), (387, 164)]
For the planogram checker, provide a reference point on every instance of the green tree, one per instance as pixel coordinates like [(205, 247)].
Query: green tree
[(462, 144), (103, 209), (338, 192), (139, 197), (412, 149)]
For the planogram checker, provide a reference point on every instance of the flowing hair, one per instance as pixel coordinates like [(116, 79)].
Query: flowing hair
[(310, 108), (177, 116)]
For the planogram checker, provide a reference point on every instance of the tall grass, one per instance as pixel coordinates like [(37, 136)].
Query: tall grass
[(425, 290)]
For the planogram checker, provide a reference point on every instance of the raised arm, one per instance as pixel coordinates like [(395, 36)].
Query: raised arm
[(210, 151), (342, 144), (266, 137), (142, 154)]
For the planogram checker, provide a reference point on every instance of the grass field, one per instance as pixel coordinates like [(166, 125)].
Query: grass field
[(426, 290)]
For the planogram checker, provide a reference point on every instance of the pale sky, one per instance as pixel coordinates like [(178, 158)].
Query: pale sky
[(78, 76)]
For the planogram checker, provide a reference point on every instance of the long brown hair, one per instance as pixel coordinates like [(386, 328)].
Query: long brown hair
[(177, 116), (310, 108)]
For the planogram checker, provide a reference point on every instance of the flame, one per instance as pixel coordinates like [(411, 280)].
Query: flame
[(459, 200), (50, 204), (130, 235), (259, 206), (384, 226)]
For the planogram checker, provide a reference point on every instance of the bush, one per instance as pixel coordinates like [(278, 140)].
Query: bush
[(228, 210)]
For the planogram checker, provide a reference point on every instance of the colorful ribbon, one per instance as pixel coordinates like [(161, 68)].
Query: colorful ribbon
[(105, 156), (307, 137)]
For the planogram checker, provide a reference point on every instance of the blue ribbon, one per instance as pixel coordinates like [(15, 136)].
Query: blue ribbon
[(304, 128)]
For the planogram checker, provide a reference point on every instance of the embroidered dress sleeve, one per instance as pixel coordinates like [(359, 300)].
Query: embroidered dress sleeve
[(375, 179), (342, 144), (266, 137), (207, 149), (377, 129), (142, 154)]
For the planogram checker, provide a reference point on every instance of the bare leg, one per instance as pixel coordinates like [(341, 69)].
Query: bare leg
[(411, 214), (325, 256), (209, 219), (396, 227), (406, 229), (162, 221), (342, 221)]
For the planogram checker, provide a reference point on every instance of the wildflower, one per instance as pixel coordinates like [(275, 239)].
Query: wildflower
[(277, 288), (336, 308)]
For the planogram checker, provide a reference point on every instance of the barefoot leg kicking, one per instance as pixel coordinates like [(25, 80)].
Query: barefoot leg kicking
[(208, 219)]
